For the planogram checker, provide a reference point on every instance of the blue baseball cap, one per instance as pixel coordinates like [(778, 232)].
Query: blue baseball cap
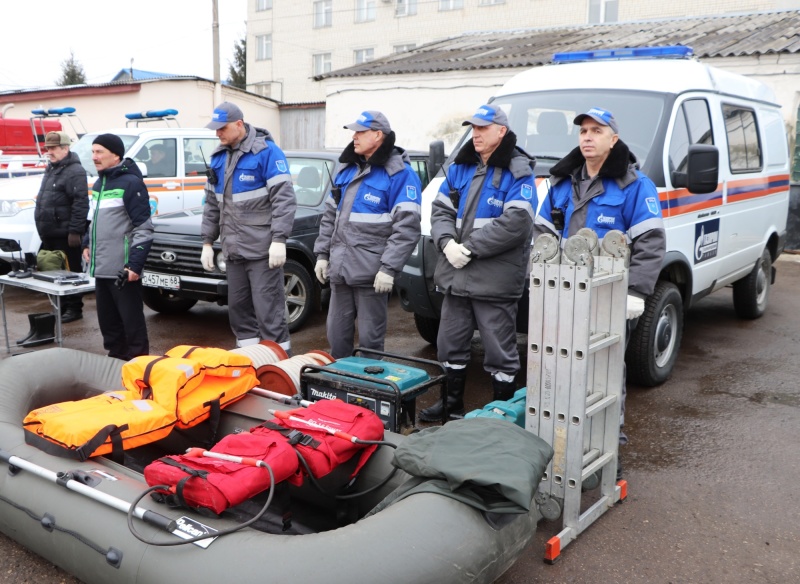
[(224, 114), (486, 115), (370, 120), (600, 116)]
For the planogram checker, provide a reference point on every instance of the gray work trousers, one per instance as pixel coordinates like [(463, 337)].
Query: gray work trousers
[(356, 303), (257, 302), (497, 322)]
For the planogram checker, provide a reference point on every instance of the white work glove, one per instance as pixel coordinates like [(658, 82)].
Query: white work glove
[(456, 254), (277, 254), (383, 283), (635, 307), (207, 258), (321, 270)]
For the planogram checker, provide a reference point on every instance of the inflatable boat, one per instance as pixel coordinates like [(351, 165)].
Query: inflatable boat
[(91, 518)]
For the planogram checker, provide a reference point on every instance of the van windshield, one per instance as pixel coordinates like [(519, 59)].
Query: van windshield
[(543, 120)]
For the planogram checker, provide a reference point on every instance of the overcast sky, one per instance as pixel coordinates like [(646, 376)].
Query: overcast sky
[(166, 36)]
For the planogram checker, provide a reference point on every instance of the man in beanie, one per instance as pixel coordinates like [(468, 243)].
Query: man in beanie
[(116, 246), (250, 206), (369, 228), (61, 209), (481, 221), (598, 185)]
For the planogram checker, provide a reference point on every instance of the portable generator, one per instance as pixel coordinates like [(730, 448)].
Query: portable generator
[(388, 388)]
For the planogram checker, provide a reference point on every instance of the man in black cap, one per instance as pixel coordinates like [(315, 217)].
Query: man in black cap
[(370, 226), (116, 247), (481, 221), (61, 209), (250, 204)]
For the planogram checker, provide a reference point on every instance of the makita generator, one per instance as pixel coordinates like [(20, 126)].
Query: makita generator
[(388, 388)]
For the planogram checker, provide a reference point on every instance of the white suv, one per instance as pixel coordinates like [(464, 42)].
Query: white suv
[(176, 183)]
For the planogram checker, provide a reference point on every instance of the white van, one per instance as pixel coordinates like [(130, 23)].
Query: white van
[(713, 142)]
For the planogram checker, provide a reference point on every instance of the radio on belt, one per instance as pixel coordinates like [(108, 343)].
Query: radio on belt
[(388, 388)]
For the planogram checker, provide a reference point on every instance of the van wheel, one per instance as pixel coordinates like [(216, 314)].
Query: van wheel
[(653, 346), (299, 290), (428, 328), (166, 302), (751, 293)]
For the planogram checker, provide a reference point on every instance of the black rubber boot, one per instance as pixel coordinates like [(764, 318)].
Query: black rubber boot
[(456, 379), (503, 390), (45, 330), (32, 331)]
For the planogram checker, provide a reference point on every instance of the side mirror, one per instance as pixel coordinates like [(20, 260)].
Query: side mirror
[(702, 170), (435, 157)]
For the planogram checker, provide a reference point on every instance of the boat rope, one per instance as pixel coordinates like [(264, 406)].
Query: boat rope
[(220, 533), (112, 555)]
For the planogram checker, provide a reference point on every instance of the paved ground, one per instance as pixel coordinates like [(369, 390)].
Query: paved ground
[(712, 465)]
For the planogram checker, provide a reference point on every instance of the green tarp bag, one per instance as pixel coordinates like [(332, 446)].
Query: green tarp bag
[(48, 260)]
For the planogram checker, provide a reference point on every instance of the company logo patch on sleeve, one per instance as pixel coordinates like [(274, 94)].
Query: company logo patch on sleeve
[(527, 192), (653, 205), (281, 164), (411, 192)]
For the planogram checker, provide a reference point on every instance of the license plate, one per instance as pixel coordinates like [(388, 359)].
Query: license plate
[(161, 281)]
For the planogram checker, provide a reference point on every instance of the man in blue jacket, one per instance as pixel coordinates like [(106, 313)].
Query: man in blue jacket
[(370, 226), (250, 206), (598, 185), (481, 222), (116, 247)]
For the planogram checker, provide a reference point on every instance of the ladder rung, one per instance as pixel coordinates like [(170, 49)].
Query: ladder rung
[(600, 341), (598, 405), (595, 465), (604, 278)]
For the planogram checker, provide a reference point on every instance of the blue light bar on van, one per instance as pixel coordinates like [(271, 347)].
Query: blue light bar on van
[(669, 52), (54, 111), (152, 114)]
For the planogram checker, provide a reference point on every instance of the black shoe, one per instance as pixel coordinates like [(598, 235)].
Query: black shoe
[(71, 315)]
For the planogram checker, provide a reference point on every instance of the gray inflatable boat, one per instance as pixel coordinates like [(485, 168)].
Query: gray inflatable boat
[(74, 513)]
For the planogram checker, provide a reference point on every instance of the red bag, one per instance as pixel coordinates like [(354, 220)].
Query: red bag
[(321, 450), (219, 484)]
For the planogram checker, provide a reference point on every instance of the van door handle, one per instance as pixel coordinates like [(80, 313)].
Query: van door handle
[(171, 185)]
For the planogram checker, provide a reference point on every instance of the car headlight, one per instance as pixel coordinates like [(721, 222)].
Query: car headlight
[(220, 259), (11, 208)]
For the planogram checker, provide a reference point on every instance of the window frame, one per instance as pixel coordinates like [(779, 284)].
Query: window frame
[(365, 11), (748, 132), (322, 14), (264, 47), (363, 51), (448, 5), (325, 60), (263, 5)]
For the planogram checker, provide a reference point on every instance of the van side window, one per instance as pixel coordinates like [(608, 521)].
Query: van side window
[(692, 126), (744, 147)]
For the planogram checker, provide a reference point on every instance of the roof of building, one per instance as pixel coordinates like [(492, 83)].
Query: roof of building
[(129, 74), (710, 36)]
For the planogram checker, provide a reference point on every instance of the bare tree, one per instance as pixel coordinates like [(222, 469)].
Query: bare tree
[(237, 71), (71, 72)]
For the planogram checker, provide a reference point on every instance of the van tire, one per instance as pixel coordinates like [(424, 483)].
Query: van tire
[(165, 302), (299, 290), (751, 293), (428, 328), (654, 344)]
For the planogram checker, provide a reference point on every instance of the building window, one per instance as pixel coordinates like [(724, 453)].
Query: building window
[(490, 2), (365, 10), (450, 4), (364, 55), (263, 89), (323, 14), (405, 8), (404, 48), (322, 63), (263, 47), (603, 11), (262, 5)]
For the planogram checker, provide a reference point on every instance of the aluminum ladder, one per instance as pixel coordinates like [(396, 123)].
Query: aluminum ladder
[(576, 348)]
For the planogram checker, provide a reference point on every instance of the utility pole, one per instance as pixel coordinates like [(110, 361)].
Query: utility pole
[(215, 35)]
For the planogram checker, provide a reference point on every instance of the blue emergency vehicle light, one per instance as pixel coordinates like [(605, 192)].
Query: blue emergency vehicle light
[(668, 52), (152, 114), (53, 111)]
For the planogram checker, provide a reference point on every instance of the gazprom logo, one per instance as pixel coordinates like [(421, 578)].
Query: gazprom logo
[(246, 177), (281, 164), (527, 192), (370, 198), (652, 205), (495, 202), (411, 193), (605, 220)]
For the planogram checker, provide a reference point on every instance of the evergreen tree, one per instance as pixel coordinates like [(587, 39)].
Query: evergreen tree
[(71, 72), (237, 71)]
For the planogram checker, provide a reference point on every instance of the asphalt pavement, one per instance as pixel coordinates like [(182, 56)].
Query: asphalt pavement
[(712, 466)]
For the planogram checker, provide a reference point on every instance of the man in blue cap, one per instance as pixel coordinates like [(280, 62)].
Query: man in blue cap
[(250, 205), (370, 226), (598, 185), (481, 222)]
